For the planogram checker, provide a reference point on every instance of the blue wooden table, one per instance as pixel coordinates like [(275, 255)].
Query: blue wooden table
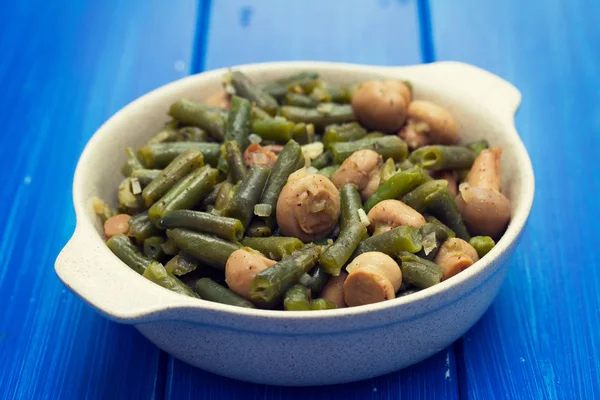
[(66, 66)]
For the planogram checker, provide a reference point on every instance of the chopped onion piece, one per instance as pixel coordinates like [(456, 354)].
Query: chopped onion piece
[(313, 150), (136, 188), (254, 138), (263, 210), (429, 243), (363, 217)]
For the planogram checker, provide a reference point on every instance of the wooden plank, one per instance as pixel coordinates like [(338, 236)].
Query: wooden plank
[(66, 67), (540, 339)]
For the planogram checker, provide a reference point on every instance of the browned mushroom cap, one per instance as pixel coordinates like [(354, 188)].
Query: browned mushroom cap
[(242, 266), (389, 214), (428, 123), (334, 290), (219, 99), (381, 105), (361, 169), (455, 255), (308, 207), (485, 172), (373, 277)]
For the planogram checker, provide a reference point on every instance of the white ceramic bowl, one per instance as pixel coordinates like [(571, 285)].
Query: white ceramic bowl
[(298, 348)]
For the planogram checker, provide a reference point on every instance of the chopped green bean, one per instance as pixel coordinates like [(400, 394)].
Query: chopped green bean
[(315, 279), (343, 133), (122, 247), (153, 247), (145, 176), (258, 228), (197, 114), (226, 228), (336, 256), (208, 249), (280, 87), (299, 100), (169, 247), (392, 242), (141, 228), (132, 163), (159, 155), (275, 248), (223, 195), (159, 275), (397, 186), (209, 290), (478, 146), (181, 264), (442, 205), (419, 272), (322, 304), (237, 127), (297, 298), (321, 161), (482, 244), (275, 129), (303, 133), (127, 201), (235, 161), (417, 198), (388, 146), (245, 88), (191, 134), (328, 171), (321, 116), (350, 204), (167, 134), (241, 205), (439, 157)]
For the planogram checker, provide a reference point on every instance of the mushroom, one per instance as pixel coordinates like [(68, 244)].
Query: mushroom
[(455, 255), (117, 225), (308, 207), (362, 169), (485, 210), (255, 154), (381, 105), (428, 123), (389, 214), (241, 267), (334, 290), (219, 99), (372, 277)]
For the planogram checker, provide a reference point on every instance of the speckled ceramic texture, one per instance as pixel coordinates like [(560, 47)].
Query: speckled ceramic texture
[(283, 348)]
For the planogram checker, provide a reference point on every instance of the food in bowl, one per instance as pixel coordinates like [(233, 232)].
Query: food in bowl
[(304, 195)]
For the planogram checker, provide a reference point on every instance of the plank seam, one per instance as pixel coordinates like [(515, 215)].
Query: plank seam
[(425, 31), (201, 37)]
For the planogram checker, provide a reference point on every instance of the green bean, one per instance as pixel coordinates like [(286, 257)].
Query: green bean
[(191, 134), (275, 247), (276, 129), (336, 256), (288, 161), (122, 247), (297, 298), (103, 210), (299, 100), (226, 228), (211, 198), (153, 247), (388, 170), (374, 135), (181, 264), (482, 244), (442, 205), (328, 171), (433, 220), (208, 249), (127, 201), (237, 127), (182, 165), (245, 88), (321, 161), (478, 146), (315, 279), (223, 195), (186, 193), (145, 176), (343, 133), (321, 116), (351, 203), (241, 205), (417, 198), (209, 290), (258, 228), (280, 87), (235, 161), (439, 157), (303, 133), (259, 113), (197, 114), (397, 186), (159, 155), (434, 235), (167, 134), (322, 304), (169, 247), (419, 272), (132, 163), (404, 165), (271, 283), (141, 228), (392, 242), (158, 274), (390, 146), (326, 92)]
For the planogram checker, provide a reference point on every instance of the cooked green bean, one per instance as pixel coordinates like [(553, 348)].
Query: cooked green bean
[(182, 165), (297, 298), (303, 133), (482, 244), (245, 88), (478, 146), (226, 228), (321, 161), (315, 279), (127, 201), (417, 198), (210, 290), (167, 134), (122, 247), (321, 116), (258, 228), (280, 87), (275, 129), (197, 114), (159, 275), (223, 195), (404, 165), (275, 248), (181, 264), (186, 193), (132, 163), (169, 247), (235, 161), (419, 272), (237, 127), (442, 205), (336, 256), (434, 235), (326, 92), (299, 100), (328, 171), (392, 242), (374, 135), (145, 176), (159, 155), (322, 304), (141, 228), (241, 205), (259, 113), (191, 134), (343, 133), (207, 249), (351, 204), (153, 247), (388, 170), (397, 186), (271, 283), (388, 146), (439, 157)]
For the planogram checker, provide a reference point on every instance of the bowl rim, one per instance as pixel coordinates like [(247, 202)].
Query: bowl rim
[(507, 109)]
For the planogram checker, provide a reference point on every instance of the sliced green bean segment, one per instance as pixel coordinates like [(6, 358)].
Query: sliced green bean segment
[(434, 235), (210, 250), (167, 134), (280, 87), (238, 121), (241, 205), (197, 114), (351, 203), (271, 283), (404, 165), (181, 264), (343, 133), (482, 244), (389, 146), (141, 228), (336, 256), (297, 298), (191, 134), (153, 247), (275, 247), (397, 186), (248, 90), (159, 275), (392, 242), (122, 247), (159, 155), (322, 304), (417, 198), (186, 193), (210, 290), (235, 161), (321, 116), (419, 272), (374, 135), (169, 247), (303, 133), (315, 279), (145, 176), (182, 165), (442, 205), (132, 163), (478, 146), (329, 171), (439, 157), (321, 161), (259, 113), (275, 129), (327, 92), (226, 228), (127, 201), (258, 229), (388, 170), (299, 100)]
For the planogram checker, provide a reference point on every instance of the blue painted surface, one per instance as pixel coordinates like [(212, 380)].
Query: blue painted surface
[(67, 66)]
